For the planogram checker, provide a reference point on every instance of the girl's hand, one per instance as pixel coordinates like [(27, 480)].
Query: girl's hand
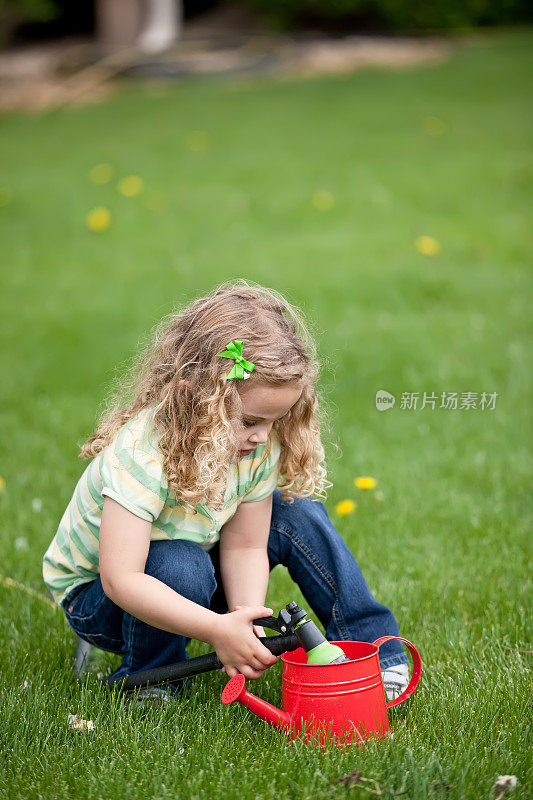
[(237, 646), (258, 630)]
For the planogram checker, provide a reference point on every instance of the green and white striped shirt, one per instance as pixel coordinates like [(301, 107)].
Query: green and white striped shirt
[(130, 471)]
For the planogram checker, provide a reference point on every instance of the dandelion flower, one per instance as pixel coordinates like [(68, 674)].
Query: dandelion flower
[(427, 245), (365, 483), (101, 174), (2, 484), (197, 141), (99, 219), (345, 507), (323, 200), (131, 186)]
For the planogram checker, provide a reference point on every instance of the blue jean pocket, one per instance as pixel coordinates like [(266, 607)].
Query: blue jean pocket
[(93, 617), (101, 641), (73, 598), (85, 602)]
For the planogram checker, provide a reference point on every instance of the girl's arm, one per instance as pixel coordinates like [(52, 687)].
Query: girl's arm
[(123, 550), (124, 545), (243, 554)]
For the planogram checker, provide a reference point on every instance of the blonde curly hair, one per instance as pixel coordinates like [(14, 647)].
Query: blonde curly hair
[(197, 410)]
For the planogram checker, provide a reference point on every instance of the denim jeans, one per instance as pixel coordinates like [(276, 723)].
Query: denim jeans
[(302, 538)]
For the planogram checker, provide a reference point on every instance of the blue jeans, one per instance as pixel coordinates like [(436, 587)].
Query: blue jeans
[(302, 538)]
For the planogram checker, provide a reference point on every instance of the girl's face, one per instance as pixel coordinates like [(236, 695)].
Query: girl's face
[(261, 407)]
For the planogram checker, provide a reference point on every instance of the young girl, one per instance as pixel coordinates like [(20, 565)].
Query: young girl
[(200, 484)]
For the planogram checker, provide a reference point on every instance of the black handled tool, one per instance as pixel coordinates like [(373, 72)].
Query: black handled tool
[(283, 624)]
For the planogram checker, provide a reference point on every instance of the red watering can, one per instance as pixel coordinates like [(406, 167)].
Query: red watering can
[(332, 690), (331, 703)]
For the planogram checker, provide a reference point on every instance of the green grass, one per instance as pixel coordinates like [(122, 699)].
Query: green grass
[(446, 546)]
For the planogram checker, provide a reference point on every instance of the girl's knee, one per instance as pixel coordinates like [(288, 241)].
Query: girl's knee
[(301, 508), (306, 520), (183, 566)]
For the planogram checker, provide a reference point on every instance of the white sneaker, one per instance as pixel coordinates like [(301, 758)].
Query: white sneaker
[(395, 680)]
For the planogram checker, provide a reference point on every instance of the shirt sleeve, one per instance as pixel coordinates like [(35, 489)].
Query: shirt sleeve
[(264, 478), (134, 476)]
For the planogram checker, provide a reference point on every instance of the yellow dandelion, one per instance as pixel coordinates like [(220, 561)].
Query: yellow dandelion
[(345, 507), (365, 483), (101, 174), (2, 484), (131, 186), (99, 219), (323, 200), (427, 245), (434, 126), (197, 141), (5, 195)]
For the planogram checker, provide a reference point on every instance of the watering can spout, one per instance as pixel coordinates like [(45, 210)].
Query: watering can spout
[(235, 690)]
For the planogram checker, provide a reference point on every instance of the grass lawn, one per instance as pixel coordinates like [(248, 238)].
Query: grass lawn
[(231, 172)]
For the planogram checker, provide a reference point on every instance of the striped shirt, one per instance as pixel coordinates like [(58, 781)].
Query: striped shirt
[(130, 470)]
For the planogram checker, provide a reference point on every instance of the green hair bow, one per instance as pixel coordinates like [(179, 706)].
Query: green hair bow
[(242, 368)]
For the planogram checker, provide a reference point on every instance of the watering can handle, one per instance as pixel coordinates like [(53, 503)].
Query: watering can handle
[(417, 669)]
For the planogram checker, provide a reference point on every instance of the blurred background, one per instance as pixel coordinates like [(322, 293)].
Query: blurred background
[(370, 160), (56, 51)]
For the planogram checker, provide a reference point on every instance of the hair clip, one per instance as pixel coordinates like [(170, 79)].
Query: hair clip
[(241, 368)]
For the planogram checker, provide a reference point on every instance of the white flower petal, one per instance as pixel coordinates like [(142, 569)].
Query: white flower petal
[(80, 724), (505, 783)]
